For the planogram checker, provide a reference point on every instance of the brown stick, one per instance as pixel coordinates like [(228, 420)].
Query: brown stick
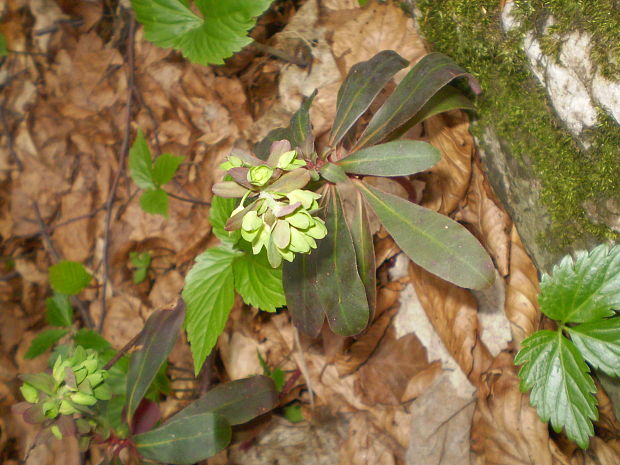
[(121, 164)]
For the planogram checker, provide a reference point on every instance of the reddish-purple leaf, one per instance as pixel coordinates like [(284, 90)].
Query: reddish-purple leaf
[(146, 417)]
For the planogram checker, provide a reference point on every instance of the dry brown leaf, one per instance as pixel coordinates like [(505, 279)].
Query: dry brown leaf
[(441, 426), (361, 349), (522, 291), (506, 429), (123, 320), (166, 290), (495, 330), (453, 312), (421, 382), (366, 445), (490, 223), (376, 28), (75, 241), (383, 379), (448, 180)]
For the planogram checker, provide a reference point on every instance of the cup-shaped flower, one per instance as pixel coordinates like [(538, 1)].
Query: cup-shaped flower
[(260, 175)]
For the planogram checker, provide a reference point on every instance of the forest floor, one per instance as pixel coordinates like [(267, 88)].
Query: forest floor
[(431, 381)]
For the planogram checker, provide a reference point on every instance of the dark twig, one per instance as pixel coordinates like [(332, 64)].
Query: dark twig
[(9, 135), (84, 313), (185, 199), (121, 163), (126, 348)]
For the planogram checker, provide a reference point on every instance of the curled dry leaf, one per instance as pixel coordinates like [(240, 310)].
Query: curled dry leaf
[(453, 312), (490, 223), (522, 291), (384, 377), (506, 429), (448, 180), (377, 28), (366, 444)]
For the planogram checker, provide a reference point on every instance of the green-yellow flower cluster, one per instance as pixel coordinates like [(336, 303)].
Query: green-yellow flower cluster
[(76, 383), (275, 211)]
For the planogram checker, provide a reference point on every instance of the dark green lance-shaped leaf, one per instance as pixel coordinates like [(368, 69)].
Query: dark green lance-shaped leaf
[(238, 401), (157, 338), (333, 173), (209, 294), (562, 388), (301, 128), (599, 343), (300, 287), (4, 51), (364, 81), (396, 158), (427, 77), (340, 288), (165, 168), (185, 440), (155, 202), (59, 310), (257, 282), (44, 340), (584, 289), (67, 277), (364, 250), (447, 99), (433, 241), (221, 31), (140, 163)]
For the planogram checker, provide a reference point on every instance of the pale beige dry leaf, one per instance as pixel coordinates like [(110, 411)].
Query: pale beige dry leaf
[(522, 291), (125, 318), (448, 180), (506, 429), (385, 249), (46, 13), (366, 445), (440, 430), (495, 330), (376, 28), (384, 377), (421, 382), (453, 312), (75, 241), (340, 4), (166, 290), (490, 223)]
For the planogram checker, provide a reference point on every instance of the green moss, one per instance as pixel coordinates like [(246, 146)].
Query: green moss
[(599, 18), (516, 106)]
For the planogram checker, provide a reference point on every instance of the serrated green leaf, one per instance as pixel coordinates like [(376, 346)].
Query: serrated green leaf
[(165, 168), (396, 158), (221, 208), (67, 277), (340, 288), (435, 242), (561, 386), (157, 338), (90, 339), (220, 32), (43, 341), (155, 202), (4, 51), (293, 413), (185, 440), (140, 163), (599, 343), (59, 310), (427, 77), (209, 294), (257, 282), (363, 83), (585, 289)]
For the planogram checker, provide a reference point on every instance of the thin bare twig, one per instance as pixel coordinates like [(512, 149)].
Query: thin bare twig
[(186, 199), (126, 348), (9, 135), (84, 313), (121, 163)]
